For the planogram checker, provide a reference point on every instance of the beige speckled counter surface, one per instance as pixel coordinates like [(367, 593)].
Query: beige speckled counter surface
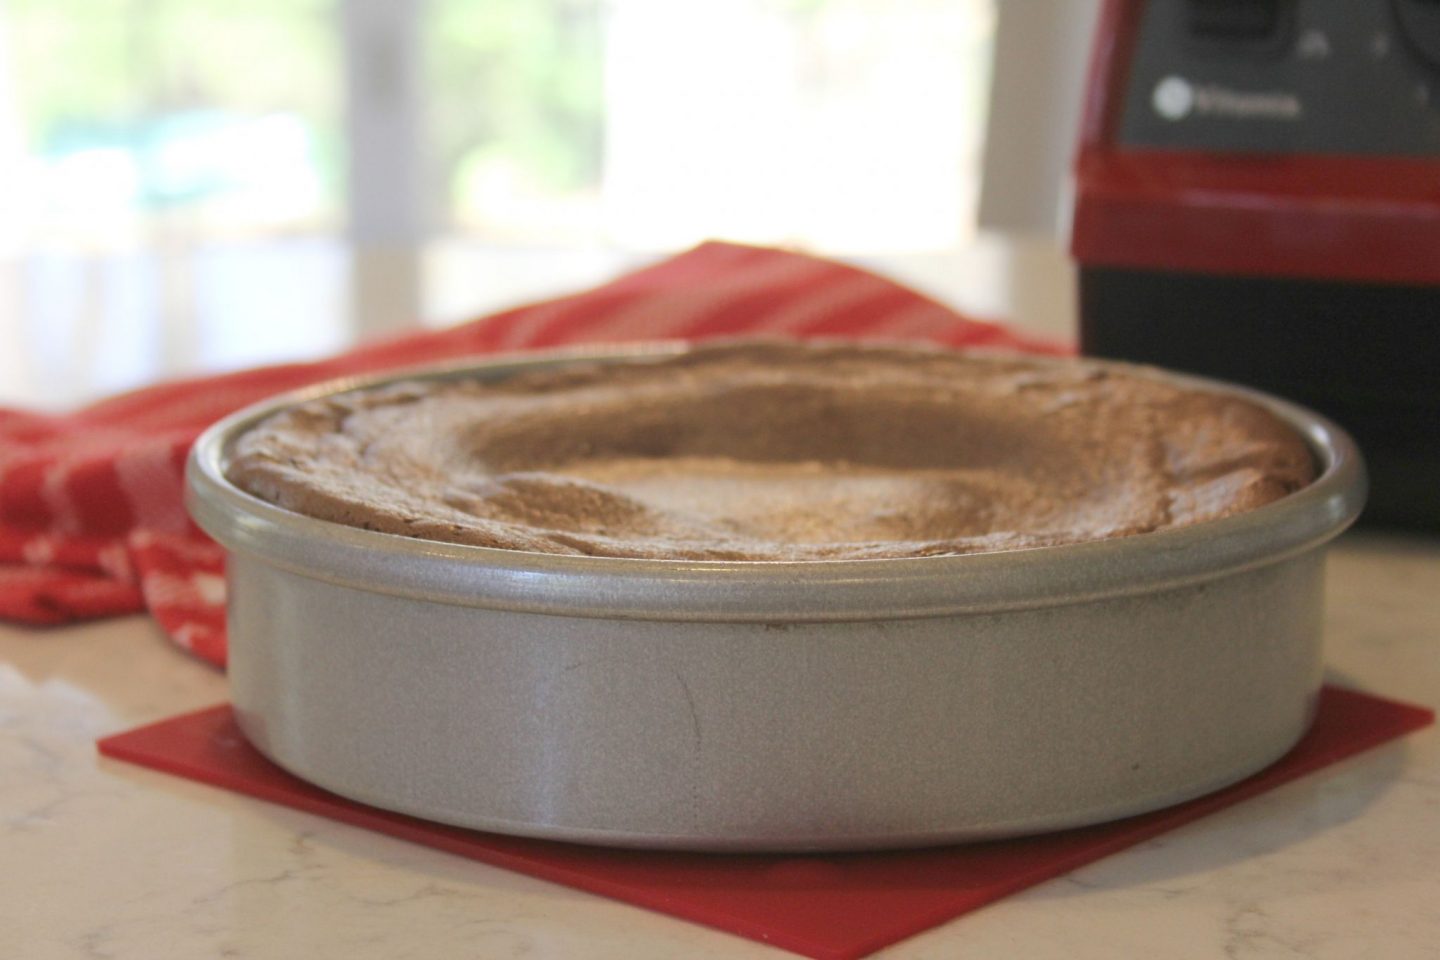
[(101, 859)]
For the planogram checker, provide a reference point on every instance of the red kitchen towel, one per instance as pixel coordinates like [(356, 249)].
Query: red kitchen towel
[(837, 907), (92, 522)]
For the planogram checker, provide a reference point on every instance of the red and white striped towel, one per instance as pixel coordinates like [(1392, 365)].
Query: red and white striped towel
[(92, 522)]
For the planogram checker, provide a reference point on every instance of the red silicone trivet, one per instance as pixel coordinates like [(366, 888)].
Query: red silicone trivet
[(832, 907)]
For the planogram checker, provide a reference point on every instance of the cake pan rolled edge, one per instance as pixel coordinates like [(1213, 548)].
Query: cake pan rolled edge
[(742, 705)]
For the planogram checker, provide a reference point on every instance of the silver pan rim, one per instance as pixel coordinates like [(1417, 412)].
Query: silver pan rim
[(766, 591)]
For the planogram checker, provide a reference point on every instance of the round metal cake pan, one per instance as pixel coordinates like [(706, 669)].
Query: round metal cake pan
[(734, 706)]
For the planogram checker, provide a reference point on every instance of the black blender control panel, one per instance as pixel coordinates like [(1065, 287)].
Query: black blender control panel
[(1286, 76)]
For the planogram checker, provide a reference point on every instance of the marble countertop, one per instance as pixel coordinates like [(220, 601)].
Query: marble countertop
[(102, 859)]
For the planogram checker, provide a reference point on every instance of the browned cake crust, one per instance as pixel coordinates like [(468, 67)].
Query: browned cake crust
[(772, 451)]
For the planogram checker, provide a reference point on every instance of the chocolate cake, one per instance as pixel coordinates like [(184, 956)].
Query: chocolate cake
[(765, 451)]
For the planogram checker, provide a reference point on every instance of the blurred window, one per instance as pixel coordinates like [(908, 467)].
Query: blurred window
[(173, 171), (568, 137)]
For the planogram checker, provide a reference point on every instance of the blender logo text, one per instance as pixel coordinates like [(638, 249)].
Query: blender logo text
[(1176, 98)]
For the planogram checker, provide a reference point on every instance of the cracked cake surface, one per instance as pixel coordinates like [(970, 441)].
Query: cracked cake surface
[(768, 451)]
